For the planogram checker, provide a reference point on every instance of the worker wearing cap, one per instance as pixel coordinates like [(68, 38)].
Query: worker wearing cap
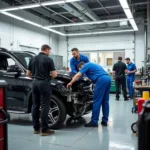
[(76, 59), (131, 76), (101, 90)]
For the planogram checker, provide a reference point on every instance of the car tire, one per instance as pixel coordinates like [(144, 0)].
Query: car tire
[(61, 115), (134, 127)]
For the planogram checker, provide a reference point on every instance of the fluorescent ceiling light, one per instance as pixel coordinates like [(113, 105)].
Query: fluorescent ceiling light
[(9, 9), (60, 33), (53, 3), (73, 34), (128, 13), (32, 23), (101, 32), (13, 16), (133, 23), (48, 3), (87, 23), (58, 2), (124, 4), (69, 1), (29, 6)]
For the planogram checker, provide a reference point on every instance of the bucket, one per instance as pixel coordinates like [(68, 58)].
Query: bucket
[(145, 95)]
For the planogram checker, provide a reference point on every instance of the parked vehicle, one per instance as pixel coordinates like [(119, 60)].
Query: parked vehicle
[(75, 102)]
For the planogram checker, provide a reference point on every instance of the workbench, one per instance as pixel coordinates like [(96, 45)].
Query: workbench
[(113, 85), (140, 89)]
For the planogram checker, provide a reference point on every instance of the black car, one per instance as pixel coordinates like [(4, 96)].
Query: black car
[(75, 102)]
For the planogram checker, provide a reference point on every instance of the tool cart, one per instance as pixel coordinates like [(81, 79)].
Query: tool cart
[(3, 117)]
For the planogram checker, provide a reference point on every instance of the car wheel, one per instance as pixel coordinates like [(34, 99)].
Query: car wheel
[(134, 127), (57, 113)]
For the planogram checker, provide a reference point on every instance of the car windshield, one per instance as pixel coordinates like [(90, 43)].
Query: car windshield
[(24, 58)]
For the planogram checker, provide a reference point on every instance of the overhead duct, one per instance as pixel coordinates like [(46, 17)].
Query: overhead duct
[(86, 10), (74, 12)]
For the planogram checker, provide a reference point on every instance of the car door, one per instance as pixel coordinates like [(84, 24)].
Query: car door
[(15, 88)]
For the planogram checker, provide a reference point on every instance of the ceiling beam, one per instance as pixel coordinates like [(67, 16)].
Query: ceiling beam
[(87, 23), (103, 7), (46, 13), (111, 7), (100, 32), (52, 11)]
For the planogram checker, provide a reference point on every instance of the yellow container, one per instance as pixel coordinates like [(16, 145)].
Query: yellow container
[(145, 95)]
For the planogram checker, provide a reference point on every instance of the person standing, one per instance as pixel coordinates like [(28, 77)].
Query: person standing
[(119, 70), (131, 76), (101, 90), (40, 67), (76, 59)]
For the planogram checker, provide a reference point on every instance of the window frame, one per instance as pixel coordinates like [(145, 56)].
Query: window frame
[(105, 59), (17, 62)]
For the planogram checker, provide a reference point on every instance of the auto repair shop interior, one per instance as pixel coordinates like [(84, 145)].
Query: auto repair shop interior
[(100, 31)]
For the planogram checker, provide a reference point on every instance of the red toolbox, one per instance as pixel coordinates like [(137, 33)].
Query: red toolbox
[(3, 116), (141, 101)]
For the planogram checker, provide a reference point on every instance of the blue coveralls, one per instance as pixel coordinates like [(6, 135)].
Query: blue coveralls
[(101, 90), (130, 78), (74, 63)]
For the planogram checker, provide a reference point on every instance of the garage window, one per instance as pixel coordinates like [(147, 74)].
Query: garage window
[(105, 58)]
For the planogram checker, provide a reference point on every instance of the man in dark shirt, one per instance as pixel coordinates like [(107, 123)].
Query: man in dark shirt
[(119, 70), (40, 67)]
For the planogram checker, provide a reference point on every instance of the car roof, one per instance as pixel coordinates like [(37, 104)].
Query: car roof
[(22, 52), (3, 49)]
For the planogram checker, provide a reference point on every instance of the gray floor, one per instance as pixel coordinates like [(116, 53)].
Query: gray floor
[(117, 136)]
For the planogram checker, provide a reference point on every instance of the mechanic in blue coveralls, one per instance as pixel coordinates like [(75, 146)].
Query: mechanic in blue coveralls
[(101, 90), (76, 59), (131, 76)]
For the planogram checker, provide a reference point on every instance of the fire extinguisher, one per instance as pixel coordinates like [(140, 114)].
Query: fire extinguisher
[(144, 128), (3, 117)]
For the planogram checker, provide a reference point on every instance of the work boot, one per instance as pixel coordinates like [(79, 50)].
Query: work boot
[(47, 133), (91, 124), (117, 99), (131, 98), (36, 131), (126, 99), (104, 124)]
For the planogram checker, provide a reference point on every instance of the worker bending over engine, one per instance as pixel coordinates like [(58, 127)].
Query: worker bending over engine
[(101, 90)]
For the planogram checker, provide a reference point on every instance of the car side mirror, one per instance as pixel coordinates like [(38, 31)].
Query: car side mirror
[(14, 68)]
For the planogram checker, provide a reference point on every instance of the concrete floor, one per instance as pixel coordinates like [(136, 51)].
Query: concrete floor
[(117, 136)]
